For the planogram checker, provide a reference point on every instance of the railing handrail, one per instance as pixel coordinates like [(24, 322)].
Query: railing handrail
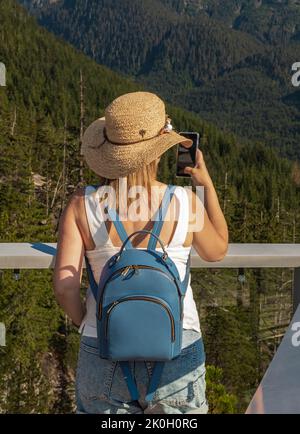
[(239, 255)]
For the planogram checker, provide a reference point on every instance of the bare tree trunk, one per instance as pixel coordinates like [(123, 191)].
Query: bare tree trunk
[(294, 229), (55, 191), (30, 179), (278, 209), (14, 123), (47, 191), (82, 119), (225, 193), (64, 174), (245, 222)]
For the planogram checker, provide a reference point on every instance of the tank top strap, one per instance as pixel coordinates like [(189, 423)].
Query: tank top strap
[(183, 217), (94, 216)]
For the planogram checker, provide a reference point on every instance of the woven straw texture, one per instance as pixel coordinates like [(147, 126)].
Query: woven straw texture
[(129, 136)]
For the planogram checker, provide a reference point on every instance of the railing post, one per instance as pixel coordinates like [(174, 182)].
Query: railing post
[(296, 289)]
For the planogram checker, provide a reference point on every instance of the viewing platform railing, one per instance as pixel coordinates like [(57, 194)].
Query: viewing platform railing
[(279, 390)]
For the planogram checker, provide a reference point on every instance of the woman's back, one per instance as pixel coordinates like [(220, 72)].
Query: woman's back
[(131, 223), (106, 243)]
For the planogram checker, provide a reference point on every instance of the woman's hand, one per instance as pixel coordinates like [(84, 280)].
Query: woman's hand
[(199, 173)]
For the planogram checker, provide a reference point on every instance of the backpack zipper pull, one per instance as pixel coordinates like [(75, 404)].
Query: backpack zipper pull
[(125, 271), (112, 306)]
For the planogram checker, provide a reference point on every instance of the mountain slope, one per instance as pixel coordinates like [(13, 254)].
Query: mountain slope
[(186, 51), (272, 21), (136, 36)]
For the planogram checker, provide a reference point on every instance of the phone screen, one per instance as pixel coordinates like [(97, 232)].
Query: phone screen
[(187, 156)]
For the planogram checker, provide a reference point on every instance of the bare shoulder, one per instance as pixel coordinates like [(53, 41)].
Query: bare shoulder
[(75, 201), (78, 194)]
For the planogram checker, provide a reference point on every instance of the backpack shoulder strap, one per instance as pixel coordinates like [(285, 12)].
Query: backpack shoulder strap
[(154, 380), (160, 215), (185, 282), (131, 384), (92, 281), (127, 374), (114, 216)]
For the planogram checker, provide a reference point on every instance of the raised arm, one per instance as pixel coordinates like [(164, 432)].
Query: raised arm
[(210, 232)]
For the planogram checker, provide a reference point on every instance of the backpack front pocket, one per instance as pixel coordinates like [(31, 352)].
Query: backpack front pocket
[(139, 328)]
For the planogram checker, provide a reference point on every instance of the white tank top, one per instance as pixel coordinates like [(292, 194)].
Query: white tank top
[(105, 249)]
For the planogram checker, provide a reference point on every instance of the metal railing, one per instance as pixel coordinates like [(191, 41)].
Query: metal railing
[(279, 391)]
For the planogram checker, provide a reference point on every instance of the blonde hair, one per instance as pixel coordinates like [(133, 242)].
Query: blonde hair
[(143, 177)]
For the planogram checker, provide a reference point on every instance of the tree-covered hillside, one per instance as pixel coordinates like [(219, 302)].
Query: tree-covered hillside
[(228, 61), (273, 21), (54, 91)]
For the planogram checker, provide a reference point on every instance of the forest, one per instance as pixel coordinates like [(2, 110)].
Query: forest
[(228, 61), (53, 92)]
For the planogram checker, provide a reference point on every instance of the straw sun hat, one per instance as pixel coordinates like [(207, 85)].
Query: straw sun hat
[(134, 132)]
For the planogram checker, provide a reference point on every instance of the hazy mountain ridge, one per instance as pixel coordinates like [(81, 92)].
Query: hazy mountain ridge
[(271, 21), (135, 36), (187, 51)]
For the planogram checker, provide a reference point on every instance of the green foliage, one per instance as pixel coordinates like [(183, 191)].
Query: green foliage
[(227, 332), (228, 61), (31, 316), (270, 21), (219, 401)]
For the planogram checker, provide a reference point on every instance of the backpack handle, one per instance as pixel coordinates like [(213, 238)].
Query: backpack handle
[(144, 231)]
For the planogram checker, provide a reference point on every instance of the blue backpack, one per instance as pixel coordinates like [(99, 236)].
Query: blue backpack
[(140, 303)]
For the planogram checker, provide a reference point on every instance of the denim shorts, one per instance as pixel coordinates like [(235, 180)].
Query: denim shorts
[(102, 389)]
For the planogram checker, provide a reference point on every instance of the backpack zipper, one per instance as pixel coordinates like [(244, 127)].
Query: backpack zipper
[(115, 303), (124, 271)]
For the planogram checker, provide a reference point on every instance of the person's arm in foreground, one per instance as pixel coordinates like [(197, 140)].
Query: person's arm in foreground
[(210, 239), (68, 265)]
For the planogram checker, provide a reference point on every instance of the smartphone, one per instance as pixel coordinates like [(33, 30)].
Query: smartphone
[(187, 156)]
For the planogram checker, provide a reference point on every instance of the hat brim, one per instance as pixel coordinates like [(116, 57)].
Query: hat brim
[(113, 161)]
